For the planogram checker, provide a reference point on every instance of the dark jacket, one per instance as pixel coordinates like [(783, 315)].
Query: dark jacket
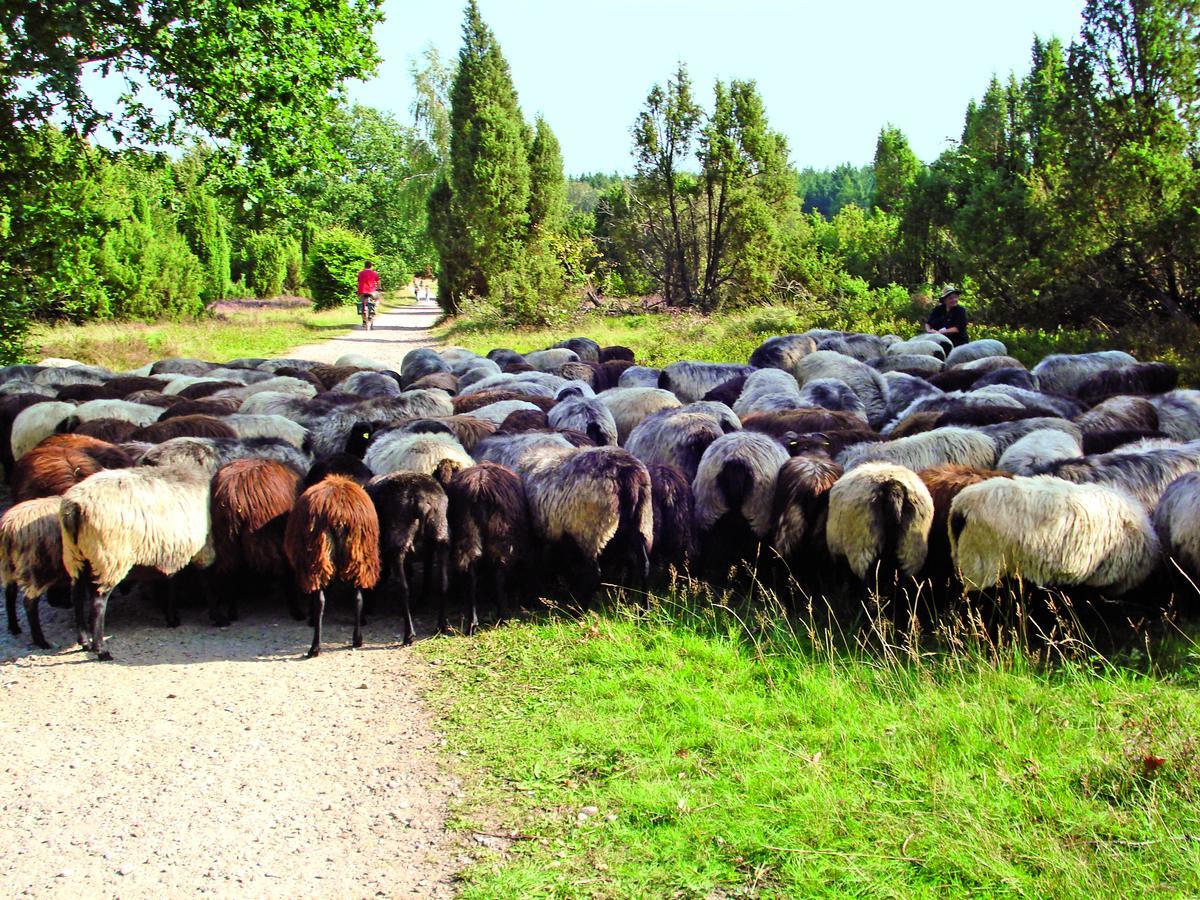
[(953, 318)]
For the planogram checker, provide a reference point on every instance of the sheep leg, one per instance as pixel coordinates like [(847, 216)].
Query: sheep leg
[(217, 612), (79, 594), (99, 608), (358, 614), (472, 596), (402, 590), (171, 602), (441, 572), (293, 601), (33, 614), (498, 584), (318, 613), (10, 608)]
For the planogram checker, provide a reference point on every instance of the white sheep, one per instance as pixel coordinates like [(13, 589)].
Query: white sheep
[(397, 451), (961, 446), (879, 519)]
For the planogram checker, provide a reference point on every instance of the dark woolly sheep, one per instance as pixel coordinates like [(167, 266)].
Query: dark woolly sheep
[(616, 353), (490, 530), (503, 357), (420, 362), (727, 392), (674, 438), (903, 390), (801, 421), (204, 407), (331, 376), (612, 371), (690, 380), (516, 368), (971, 414), (81, 393), (582, 372), (944, 484), (1045, 404), (784, 351), (466, 404), (831, 393), (332, 535), (1141, 379), (1177, 523), (153, 398), (302, 375), (413, 522), (866, 382), (205, 389), (1097, 442), (585, 348), (123, 385), (62, 461), (184, 426), (523, 420), (31, 561), (1020, 378), (468, 430), (112, 431), (1120, 413), (344, 464), (801, 509), (957, 379), (675, 544), (914, 423), (251, 500), (1141, 474)]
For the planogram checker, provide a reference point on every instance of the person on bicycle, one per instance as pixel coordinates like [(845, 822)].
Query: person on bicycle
[(368, 286)]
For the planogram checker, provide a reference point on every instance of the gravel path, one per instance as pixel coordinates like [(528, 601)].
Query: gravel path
[(393, 335), (217, 761)]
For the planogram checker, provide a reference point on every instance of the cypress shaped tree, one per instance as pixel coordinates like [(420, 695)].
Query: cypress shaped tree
[(547, 186), (480, 215)]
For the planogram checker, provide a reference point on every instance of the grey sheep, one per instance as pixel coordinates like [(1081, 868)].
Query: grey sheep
[(973, 350), (639, 376), (960, 446), (690, 381), (587, 415), (737, 475), (674, 438), (833, 394), (866, 382), (1176, 522), (1062, 373)]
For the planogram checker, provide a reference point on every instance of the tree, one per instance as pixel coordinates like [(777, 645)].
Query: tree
[(895, 168), (547, 185), (480, 212)]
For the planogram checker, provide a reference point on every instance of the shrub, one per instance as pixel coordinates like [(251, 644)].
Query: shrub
[(334, 260), (207, 233), (293, 264), (266, 262), (149, 270)]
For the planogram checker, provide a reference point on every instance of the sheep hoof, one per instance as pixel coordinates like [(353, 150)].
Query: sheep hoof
[(408, 641), (311, 653), (43, 645), (104, 656), (220, 622), (358, 642)]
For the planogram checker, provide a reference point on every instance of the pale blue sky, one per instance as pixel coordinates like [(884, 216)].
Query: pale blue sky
[(831, 74)]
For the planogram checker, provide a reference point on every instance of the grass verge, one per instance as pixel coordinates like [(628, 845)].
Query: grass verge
[(234, 328), (672, 755)]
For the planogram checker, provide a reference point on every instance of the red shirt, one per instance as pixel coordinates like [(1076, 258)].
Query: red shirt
[(368, 281)]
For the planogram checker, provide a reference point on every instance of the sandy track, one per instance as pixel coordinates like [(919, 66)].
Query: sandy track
[(218, 761), (393, 335)]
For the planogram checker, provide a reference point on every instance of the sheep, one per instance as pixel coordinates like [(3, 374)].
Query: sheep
[(904, 389), (784, 351), (879, 519), (574, 389), (962, 446), (640, 376), (279, 385), (736, 478), (866, 382), (9, 388), (36, 422), (202, 389), (368, 385), (910, 363), (523, 420), (468, 430), (674, 438), (973, 350), (250, 502), (801, 505), (834, 394), (1179, 414), (944, 484), (674, 514), (76, 374), (690, 380), (1062, 373), (587, 415), (1005, 434), (31, 560), (184, 426), (612, 371), (1142, 474), (988, 364), (511, 449), (1120, 413), (111, 431), (467, 404), (419, 362), (490, 530), (438, 381), (1096, 442), (803, 421), (727, 392), (10, 407), (585, 348), (542, 384), (1045, 404), (1036, 449), (121, 518), (358, 361), (631, 406), (485, 368), (718, 412), (206, 455), (498, 412), (502, 356), (920, 345), (548, 360), (591, 502), (764, 382), (1007, 375), (301, 375), (856, 346), (1052, 533), (332, 535), (61, 461), (140, 414), (616, 353), (245, 426), (395, 451), (1176, 522), (329, 376)]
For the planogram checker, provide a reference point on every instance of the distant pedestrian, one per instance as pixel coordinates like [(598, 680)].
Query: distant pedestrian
[(948, 317)]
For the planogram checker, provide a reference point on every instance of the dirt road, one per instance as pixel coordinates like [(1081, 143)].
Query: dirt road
[(393, 335), (218, 761)]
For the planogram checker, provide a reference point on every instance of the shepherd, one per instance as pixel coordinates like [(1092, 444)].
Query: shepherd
[(948, 317)]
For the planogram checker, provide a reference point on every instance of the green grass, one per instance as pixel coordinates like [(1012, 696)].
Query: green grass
[(661, 338), (723, 766), (234, 329)]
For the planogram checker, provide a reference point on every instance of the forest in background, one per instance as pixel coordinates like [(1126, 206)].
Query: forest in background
[(1072, 197)]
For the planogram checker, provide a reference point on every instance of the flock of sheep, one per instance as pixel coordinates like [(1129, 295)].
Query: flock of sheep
[(827, 453)]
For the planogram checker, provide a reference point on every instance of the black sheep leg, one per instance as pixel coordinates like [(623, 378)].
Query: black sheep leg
[(171, 606), (99, 608), (10, 607), (472, 576), (81, 594), (219, 611), (318, 613), (358, 615), (402, 590), (33, 614), (499, 587)]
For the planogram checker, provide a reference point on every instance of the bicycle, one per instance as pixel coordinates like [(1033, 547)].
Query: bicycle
[(366, 308)]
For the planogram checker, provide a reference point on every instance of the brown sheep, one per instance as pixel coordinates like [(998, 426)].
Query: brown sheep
[(209, 406), (674, 518), (471, 402), (183, 426), (62, 461), (945, 483), (333, 535), (802, 421), (801, 507), (114, 431)]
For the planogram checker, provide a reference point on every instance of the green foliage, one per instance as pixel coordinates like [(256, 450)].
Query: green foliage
[(293, 264), (265, 257), (828, 190), (206, 230), (335, 258), (547, 186), (895, 168)]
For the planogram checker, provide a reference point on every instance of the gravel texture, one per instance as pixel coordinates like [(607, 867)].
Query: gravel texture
[(393, 335)]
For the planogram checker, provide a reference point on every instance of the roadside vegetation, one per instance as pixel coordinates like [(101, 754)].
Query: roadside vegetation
[(695, 751)]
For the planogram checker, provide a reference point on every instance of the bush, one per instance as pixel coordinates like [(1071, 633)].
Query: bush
[(266, 262), (149, 270), (334, 260), (293, 264)]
